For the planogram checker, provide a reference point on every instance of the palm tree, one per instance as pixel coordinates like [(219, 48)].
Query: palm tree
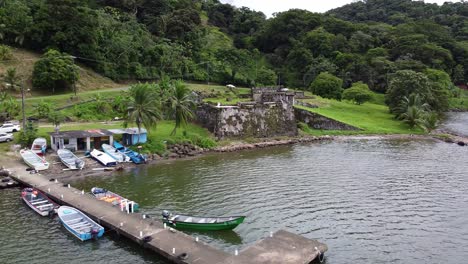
[(181, 105), (431, 121), (143, 108), (414, 116), (412, 100)]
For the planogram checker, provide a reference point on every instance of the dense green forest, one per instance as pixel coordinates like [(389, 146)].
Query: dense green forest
[(205, 40)]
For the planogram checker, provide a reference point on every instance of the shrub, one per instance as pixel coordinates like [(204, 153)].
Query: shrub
[(203, 142), (327, 85), (5, 53), (55, 70), (359, 93), (27, 135)]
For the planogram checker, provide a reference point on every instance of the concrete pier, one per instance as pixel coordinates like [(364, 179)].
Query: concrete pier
[(282, 247)]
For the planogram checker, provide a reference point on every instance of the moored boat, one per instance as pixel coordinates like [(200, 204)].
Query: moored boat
[(115, 199), (38, 201), (70, 160), (39, 146), (114, 153), (103, 158), (201, 223), (136, 157), (79, 224), (33, 160)]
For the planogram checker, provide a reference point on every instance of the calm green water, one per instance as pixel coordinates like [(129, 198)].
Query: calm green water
[(371, 201)]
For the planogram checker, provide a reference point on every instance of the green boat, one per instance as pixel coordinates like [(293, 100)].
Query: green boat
[(202, 223)]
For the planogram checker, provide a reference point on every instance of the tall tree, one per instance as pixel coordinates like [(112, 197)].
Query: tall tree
[(327, 85), (402, 84), (55, 70), (143, 108), (182, 105)]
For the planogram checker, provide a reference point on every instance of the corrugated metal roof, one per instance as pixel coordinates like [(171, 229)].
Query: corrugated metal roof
[(131, 131), (81, 133)]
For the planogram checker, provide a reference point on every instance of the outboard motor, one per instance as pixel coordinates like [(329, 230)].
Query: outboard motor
[(166, 214), (94, 233)]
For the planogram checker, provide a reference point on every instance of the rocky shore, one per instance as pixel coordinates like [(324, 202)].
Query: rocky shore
[(185, 151)]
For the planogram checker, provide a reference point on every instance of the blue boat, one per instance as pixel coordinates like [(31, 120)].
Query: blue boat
[(79, 224), (134, 156)]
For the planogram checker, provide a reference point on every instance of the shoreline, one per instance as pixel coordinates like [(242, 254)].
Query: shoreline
[(56, 169)]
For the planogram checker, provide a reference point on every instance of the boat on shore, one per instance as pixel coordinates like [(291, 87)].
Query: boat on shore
[(134, 156), (70, 160), (39, 146), (79, 224), (201, 223), (103, 158), (39, 202), (114, 153), (33, 160), (115, 199)]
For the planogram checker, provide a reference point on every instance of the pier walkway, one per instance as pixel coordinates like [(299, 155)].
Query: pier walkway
[(282, 247)]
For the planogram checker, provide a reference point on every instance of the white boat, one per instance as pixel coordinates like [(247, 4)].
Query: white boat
[(114, 153), (39, 145), (103, 158), (70, 160), (33, 160)]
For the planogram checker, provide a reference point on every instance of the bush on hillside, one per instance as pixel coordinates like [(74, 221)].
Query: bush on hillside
[(327, 85), (359, 93), (54, 71)]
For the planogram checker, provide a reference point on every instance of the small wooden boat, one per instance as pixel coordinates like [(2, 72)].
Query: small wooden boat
[(70, 160), (79, 224), (103, 158), (136, 157), (39, 202), (33, 160), (115, 199), (39, 146), (202, 223), (114, 153)]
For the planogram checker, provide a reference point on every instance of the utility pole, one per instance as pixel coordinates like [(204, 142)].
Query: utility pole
[(207, 73), (22, 107)]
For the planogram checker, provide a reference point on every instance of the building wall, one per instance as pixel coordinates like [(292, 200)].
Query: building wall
[(249, 120), (317, 121)]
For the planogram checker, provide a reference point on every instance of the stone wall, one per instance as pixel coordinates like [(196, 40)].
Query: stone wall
[(317, 121), (249, 120)]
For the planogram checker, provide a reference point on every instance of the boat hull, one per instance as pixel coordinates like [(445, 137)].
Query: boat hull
[(70, 160), (135, 157), (112, 198), (33, 160), (103, 158), (40, 203), (79, 224), (227, 225), (115, 154)]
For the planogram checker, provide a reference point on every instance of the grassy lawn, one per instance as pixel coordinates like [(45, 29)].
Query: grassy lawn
[(5, 147), (370, 117), (64, 99), (205, 88), (44, 131), (224, 101), (460, 102)]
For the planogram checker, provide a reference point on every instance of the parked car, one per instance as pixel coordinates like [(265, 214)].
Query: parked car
[(9, 128), (5, 137)]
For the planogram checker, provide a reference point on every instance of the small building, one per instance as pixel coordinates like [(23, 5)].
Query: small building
[(130, 136), (80, 140)]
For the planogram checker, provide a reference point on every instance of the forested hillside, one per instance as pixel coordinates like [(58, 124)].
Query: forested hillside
[(204, 40)]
